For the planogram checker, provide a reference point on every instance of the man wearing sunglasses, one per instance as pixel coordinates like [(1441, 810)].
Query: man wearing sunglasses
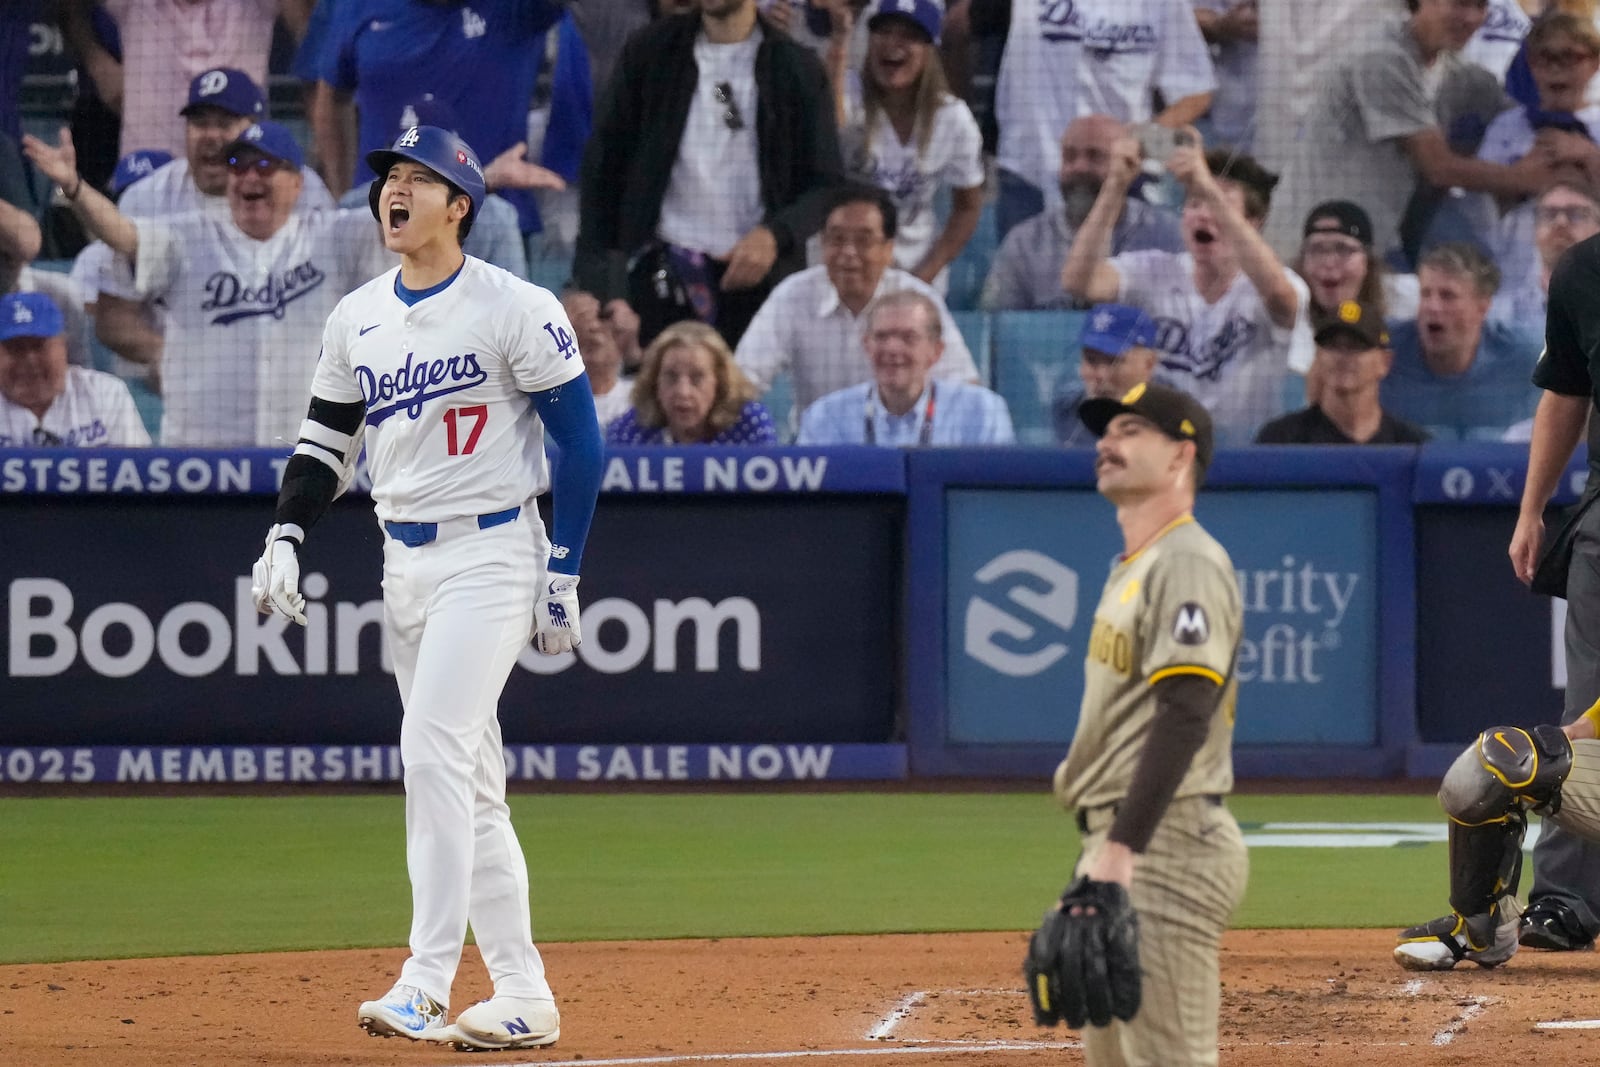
[(222, 104), (710, 165), (246, 295)]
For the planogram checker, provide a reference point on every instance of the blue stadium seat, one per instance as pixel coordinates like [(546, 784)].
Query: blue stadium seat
[(969, 269), (966, 274), (974, 327), (1032, 352), (148, 401), (779, 402)]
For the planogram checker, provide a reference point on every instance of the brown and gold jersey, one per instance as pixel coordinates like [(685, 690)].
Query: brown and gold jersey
[(1172, 608)]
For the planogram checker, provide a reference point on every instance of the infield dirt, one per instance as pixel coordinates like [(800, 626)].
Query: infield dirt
[(1325, 997)]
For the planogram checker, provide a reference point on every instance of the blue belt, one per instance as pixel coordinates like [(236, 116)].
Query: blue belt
[(417, 534)]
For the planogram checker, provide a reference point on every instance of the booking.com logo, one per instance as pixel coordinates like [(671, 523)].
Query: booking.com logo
[(1027, 644)]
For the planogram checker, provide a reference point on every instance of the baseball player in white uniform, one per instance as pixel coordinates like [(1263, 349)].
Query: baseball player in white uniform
[(46, 402), (246, 295), (437, 362)]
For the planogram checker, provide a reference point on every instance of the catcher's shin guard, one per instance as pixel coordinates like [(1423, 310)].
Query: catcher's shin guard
[(1485, 862), (1487, 792)]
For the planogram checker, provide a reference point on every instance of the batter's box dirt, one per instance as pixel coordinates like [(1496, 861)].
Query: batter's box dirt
[(1332, 998)]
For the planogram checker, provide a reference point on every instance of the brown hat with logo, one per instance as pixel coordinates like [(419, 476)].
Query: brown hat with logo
[(1358, 322), (1173, 411)]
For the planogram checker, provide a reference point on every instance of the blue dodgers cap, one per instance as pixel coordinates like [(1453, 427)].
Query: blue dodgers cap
[(29, 315), (228, 89), (270, 139), (1115, 328), (926, 14), (136, 165)]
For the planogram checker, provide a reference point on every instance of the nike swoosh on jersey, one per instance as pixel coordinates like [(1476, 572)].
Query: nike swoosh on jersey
[(368, 329)]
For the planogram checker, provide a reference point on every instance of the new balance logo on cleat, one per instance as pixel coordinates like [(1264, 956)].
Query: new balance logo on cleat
[(504, 1022)]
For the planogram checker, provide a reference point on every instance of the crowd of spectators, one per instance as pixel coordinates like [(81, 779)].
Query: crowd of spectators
[(764, 201)]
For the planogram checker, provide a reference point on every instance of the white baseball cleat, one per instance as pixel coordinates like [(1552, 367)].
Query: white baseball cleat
[(404, 1011), (1451, 939), (503, 1022)]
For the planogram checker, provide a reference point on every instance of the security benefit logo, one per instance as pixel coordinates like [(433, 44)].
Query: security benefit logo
[(1294, 615), (1018, 622)]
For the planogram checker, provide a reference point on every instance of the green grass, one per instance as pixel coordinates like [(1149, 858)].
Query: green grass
[(115, 877)]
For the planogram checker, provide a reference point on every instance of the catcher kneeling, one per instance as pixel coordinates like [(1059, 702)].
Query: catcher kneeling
[(1487, 793)]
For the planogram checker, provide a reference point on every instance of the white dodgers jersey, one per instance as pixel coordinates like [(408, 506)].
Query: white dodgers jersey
[(450, 430), (93, 409), (243, 316)]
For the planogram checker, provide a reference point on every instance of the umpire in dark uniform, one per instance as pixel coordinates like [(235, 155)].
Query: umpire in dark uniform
[(1564, 903)]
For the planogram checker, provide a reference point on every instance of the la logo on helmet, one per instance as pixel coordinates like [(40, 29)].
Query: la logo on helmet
[(409, 138), (22, 314)]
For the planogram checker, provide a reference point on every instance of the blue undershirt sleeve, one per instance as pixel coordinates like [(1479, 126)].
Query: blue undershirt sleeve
[(568, 414)]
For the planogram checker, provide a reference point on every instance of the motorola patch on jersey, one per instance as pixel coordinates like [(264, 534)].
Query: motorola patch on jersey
[(1191, 627)]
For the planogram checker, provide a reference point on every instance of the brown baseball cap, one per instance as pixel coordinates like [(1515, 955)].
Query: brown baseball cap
[(1350, 319), (1173, 411)]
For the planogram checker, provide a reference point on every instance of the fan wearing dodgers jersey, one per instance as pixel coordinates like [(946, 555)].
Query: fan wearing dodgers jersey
[(436, 362), (246, 295), (45, 402)]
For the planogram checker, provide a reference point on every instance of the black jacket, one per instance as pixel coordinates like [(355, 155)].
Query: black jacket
[(628, 163)]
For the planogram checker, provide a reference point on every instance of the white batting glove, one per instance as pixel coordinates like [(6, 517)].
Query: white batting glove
[(275, 579), (556, 628)]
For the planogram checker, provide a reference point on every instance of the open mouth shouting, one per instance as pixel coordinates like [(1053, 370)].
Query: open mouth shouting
[(398, 217)]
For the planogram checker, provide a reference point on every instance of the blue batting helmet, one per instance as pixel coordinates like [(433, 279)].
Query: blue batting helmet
[(441, 152)]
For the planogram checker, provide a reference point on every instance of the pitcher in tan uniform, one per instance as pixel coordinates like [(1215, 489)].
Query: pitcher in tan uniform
[(1151, 761)]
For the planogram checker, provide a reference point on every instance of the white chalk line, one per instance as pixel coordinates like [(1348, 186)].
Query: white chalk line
[(950, 1048), (898, 1014), (1569, 1024), (909, 1003), (1469, 1011)]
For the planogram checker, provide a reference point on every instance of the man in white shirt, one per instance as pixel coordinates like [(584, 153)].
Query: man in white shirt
[(1226, 310), (246, 295), (903, 404), (811, 324), (713, 153), (222, 104), (45, 402), (1108, 57)]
